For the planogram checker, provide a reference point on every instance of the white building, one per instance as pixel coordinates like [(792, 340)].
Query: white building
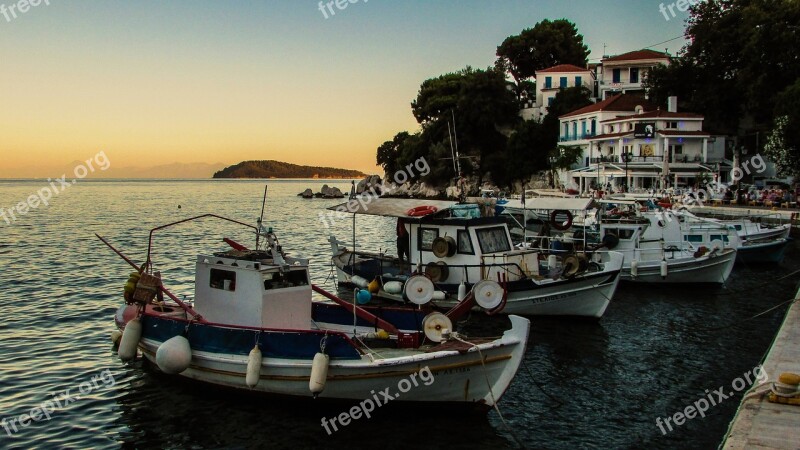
[(549, 81), (629, 144), (624, 74)]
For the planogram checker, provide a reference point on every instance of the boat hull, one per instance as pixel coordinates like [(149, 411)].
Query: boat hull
[(766, 252), (586, 296), (450, 376), (708, 269)]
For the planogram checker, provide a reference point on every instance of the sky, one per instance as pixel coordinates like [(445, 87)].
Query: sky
[(154, 83)]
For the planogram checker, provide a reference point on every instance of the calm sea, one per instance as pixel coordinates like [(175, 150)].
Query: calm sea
[(583, 384)]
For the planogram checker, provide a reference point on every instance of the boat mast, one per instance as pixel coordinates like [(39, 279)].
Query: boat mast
[(261, 217)]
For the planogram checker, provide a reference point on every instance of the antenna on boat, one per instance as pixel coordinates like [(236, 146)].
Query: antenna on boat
[(261, 217), (452, 149), (455, 133)]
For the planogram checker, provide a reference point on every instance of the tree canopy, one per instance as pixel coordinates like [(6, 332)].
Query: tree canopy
[(547, 44)]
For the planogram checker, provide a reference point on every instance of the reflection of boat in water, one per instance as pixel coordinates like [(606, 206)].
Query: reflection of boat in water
[(457, 248), (250, 328)]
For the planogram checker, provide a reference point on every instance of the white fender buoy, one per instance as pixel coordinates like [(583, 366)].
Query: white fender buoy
[(130, 340), (253, 367), (393, 287), (664, 268), (439, 295), (634, 268), (462, 292), (552, 261), (116, 336), (359, 281), (174, 355), (319, 373)]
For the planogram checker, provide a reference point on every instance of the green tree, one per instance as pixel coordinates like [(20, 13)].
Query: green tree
[(741, 56), (390, 151), (547, 44)]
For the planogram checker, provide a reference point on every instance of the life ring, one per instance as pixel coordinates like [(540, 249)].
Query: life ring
[(420, 211), (561, 225)]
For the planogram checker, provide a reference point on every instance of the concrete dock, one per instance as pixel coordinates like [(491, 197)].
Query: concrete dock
[(758, 423)]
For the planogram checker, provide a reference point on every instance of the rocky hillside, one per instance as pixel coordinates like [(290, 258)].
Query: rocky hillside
[(277, 169)]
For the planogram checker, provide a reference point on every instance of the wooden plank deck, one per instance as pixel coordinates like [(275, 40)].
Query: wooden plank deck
[(759, 424)]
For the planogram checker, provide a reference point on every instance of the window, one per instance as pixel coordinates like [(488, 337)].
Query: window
[(578, 81), (678, 149), (493, 240), (465, 243), (575, 129), (594, 126), (634, 74), (426, 237), (550, 101), (694, 238), (672, 125), (563, 82), (719, 237), (622, 233), (223, 279), (279, 280), (616, 76), (548, 82)]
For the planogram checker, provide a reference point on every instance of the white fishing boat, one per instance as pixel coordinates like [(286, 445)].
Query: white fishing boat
[(659, 255), (251, 328), (754, 242), (456, 249)]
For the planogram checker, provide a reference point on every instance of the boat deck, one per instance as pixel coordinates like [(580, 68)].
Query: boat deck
[(759, 423)]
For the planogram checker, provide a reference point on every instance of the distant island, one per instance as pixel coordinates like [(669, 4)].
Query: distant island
[(277, 169)]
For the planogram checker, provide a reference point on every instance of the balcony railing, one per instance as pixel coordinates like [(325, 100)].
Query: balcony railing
[(576, 137)]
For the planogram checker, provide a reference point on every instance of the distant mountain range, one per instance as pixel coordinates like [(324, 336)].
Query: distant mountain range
[(277, 169)]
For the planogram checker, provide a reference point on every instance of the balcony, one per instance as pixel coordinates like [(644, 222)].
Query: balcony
[(576, 137)]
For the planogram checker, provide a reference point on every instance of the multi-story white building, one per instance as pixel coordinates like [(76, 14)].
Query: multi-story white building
[(624, 74), (549, 81), (630, 145)]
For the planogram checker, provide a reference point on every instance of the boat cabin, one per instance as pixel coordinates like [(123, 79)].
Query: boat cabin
[(253, 292)]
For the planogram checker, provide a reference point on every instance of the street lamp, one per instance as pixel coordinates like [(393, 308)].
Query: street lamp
[(626, 157)]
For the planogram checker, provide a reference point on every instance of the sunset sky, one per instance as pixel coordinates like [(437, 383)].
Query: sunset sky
[(152, 83)]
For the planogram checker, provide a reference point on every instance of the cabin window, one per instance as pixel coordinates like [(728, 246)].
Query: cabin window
[(493, 240), (223, 279), (278, 280), (426, 237), (622, 233), (738, 227), (465, 243), (694, 238), (721, 237)]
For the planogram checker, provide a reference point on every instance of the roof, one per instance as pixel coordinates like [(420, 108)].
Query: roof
[(619, 102), (388, 207), (564, 68), (659, 114), (637, 56), (550, 203)]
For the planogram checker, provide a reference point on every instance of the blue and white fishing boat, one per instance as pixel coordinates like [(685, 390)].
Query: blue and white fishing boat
[(252, 327)]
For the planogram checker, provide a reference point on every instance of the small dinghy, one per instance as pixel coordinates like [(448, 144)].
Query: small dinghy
[(252, 327)]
